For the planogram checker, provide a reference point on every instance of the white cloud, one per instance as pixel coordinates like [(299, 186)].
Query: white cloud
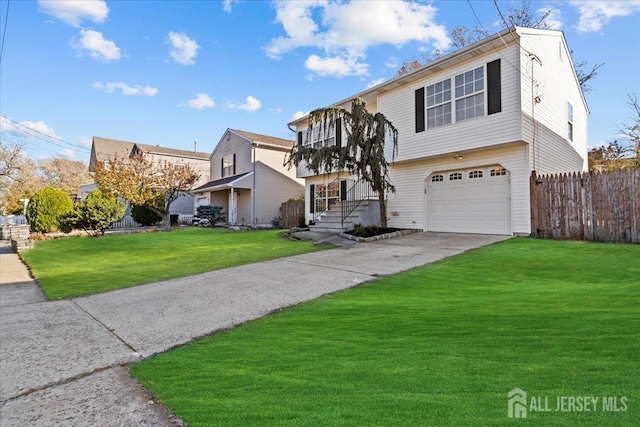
[(298, 114), (596, 14), (73, 12), (126, 89), (336, 66), (67, 153), (98, 47), (392, 63), (251, 104), (28, 129), (376, 82), (554, 19), (201, 101), (228, 4), (183, 49), (344, 31)]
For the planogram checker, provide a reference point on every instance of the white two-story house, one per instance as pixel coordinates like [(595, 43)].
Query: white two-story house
[(472, 126), (248, 178)]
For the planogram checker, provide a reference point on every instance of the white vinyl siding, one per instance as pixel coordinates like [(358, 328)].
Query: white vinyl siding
[(407, 207), (555, 85), (481, 132)]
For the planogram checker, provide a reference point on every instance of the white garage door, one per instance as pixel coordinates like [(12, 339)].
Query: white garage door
[(474, 200)]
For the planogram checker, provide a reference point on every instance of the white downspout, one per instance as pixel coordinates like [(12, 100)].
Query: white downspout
[(254, 214)]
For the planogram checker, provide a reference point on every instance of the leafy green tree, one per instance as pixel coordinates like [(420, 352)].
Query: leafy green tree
[(94, 215), (45, 209), (361, 155)]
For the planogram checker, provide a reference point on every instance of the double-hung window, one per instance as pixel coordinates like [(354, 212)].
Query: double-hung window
[(323, 137), (228, 165), (439, 104), (469, 90)]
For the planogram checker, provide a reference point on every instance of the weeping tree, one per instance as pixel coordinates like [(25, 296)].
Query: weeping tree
[(361, 155), (142, 182)]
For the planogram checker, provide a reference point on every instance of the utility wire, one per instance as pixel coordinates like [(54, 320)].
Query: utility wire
[(4, 31), (37, 134)]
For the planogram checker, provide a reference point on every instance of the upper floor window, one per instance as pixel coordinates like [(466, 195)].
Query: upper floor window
[(569, 121), (469, 94), (322, 137), (229, 165), (477, 92), (439, 104)]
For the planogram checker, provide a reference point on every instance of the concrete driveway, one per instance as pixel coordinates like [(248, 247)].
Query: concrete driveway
[(66, 361)]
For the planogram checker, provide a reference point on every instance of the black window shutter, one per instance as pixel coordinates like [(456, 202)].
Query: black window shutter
[(222, 167), (494, 89), (234, 163), (339, 133), (300, 139), (312, 198), (419, 110)]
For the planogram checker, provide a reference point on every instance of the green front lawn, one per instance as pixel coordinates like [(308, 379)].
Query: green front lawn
[(73, 267), (439, 345)]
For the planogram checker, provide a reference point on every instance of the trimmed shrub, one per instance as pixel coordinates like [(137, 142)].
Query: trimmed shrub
[(144, 216), (94, 214), (45, 209)]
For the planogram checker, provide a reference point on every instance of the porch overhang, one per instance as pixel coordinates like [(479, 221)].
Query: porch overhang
[(241, 181)]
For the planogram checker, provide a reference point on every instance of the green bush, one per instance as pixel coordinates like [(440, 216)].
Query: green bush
[(144, 216), (45, 209), (211, 213), (94, 214)]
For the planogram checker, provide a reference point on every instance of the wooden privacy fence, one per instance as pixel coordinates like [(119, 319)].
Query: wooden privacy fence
[(291, 212), (601, 207)]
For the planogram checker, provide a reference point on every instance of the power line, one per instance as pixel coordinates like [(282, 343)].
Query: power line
[(39, 135), (4, 31)]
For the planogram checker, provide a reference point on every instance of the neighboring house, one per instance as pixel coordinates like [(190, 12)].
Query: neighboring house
[(472, 126), (248, 178), (103, 149)]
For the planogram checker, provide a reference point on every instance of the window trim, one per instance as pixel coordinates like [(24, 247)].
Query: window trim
[(440, 104), (464, 96)]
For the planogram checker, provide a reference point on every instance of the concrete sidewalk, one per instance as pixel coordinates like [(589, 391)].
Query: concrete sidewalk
[(50, 348)]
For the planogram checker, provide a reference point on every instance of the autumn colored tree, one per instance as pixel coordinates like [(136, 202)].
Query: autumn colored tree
[(65, 174), (363, 152), (141, 181)]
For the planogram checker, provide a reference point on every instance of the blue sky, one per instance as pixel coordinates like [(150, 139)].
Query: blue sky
[(175, 72)]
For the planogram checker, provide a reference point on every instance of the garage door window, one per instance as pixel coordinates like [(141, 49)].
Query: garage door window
[(475, 174), (455, 176), (437, 178), (498, 172)]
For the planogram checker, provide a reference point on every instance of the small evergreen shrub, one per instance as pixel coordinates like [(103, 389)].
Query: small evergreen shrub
[(45, 209), (94, 214), (144, 216)]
